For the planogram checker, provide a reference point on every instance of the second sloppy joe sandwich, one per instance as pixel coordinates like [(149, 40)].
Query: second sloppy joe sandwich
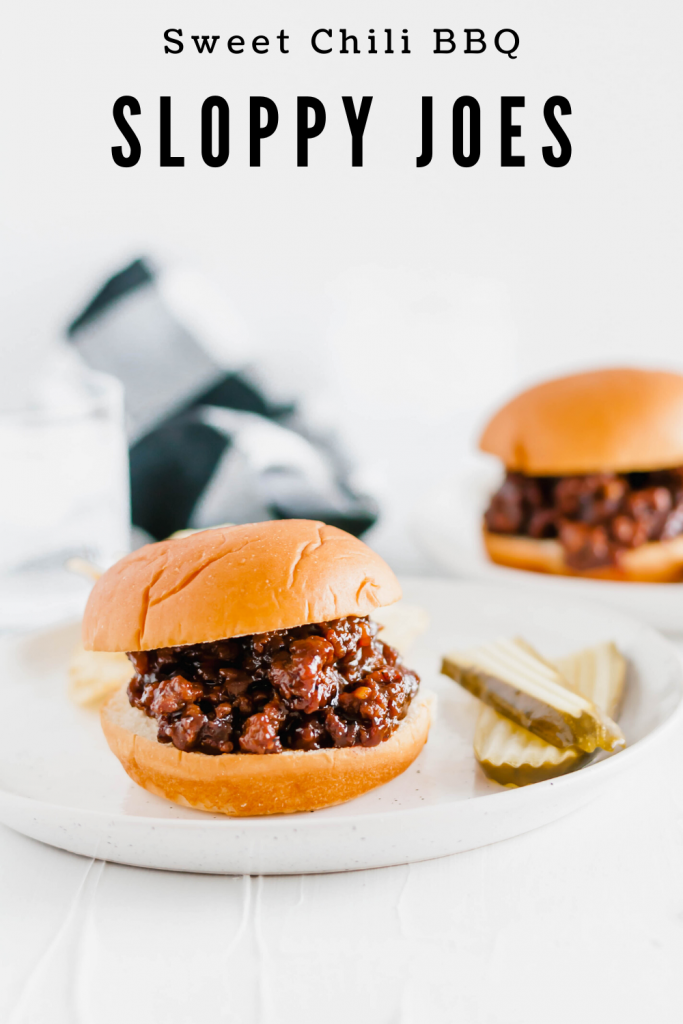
[(260, 683), (594, 477)]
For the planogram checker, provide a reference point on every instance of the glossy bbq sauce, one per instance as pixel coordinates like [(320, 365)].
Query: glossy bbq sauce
[(595, 517), (331, 684)]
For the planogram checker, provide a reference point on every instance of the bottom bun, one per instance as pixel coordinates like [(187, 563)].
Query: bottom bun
[(247, 784), (656, 562)]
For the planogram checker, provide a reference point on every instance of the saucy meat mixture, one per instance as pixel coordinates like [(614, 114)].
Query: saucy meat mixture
[(595, 517), (331, 684)]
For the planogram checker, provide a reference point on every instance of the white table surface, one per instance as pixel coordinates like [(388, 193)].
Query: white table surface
[(583, 917)]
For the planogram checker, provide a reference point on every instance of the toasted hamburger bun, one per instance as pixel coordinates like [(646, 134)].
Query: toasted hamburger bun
[(250, 784), (235, 581), (619, 420), (656, 562)]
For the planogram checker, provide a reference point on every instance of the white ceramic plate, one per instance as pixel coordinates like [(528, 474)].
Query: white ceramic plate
[(60, 784), (448, 529)]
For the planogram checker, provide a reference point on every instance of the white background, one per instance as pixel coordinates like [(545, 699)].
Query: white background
[(403, 301), (581, 920), (412, 300)]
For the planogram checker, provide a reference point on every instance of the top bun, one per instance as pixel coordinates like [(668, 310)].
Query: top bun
[(233, 581), (616, 420)]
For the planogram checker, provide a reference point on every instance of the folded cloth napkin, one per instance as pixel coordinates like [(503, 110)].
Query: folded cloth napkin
[(208, 444)]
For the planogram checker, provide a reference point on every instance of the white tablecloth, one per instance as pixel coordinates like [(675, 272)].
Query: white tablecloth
[(583, 917)]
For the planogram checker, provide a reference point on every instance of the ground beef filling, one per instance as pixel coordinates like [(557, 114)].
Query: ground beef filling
[(331, 684), (596, 518)]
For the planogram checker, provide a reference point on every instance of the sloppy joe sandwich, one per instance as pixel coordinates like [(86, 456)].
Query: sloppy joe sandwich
[(260, 683), (594, 477)]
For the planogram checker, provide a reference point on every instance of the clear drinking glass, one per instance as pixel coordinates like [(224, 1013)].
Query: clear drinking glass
[(64, 492)]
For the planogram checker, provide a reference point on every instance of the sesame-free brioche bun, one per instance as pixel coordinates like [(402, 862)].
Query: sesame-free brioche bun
[(249, 784), (618, 420), (655, 562), (234, 581)]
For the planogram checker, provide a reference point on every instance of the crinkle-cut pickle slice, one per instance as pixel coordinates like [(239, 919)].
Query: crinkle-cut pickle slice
[(597, 673), (518, 683), (513, 756)]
